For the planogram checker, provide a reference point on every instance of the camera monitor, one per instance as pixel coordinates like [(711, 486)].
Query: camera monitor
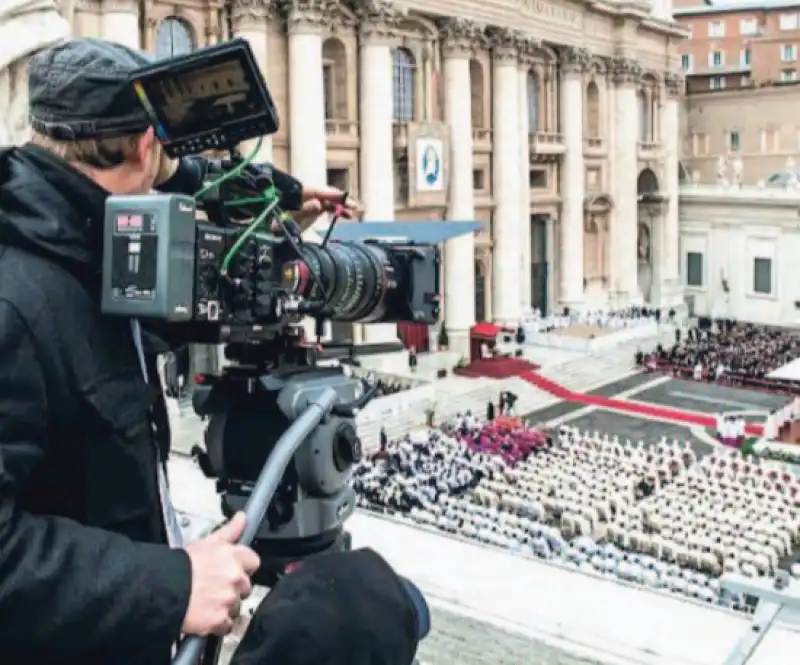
[(211, 99)]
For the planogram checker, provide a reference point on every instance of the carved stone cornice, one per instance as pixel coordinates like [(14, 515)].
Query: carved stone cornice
[(461, 38), (252, 13), (505, 45), (625, 70), (574, 60), (674, 83), (377, 19)]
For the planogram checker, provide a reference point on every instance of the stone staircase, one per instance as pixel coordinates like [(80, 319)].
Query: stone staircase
[(591, 371)]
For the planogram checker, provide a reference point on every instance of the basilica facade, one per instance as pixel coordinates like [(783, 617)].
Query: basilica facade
[(553, 123)]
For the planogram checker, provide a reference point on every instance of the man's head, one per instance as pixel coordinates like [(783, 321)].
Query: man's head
[(84, 110)]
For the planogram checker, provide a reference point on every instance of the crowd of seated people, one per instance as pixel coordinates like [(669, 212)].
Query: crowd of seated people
[(604, 318), (726, 350), (647, 514)]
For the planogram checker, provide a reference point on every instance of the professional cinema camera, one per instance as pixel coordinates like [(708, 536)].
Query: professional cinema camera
[(230, 267)]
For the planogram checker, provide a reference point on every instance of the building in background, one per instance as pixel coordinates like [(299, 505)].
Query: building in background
[(741, 66), (739, 250), (554, 124)]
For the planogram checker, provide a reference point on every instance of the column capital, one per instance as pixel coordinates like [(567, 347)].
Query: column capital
[(251, 13), (505, 45), (309, 15), (378, 19), (625, 70), (574, 60), (528, 50), (461, 37), (674, 83)]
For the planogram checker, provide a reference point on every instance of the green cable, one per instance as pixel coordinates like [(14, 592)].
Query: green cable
[(257, 222), (230, 174)]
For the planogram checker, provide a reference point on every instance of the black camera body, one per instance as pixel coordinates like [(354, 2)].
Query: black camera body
[(159, 262)]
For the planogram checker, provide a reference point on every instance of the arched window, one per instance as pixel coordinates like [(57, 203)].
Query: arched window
[(644, 117), (334, 77), (476, 87), (533, 102), (593, 110), (404, 79), (174, 36)]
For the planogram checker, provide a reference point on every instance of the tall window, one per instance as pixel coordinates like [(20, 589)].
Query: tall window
[(762, 276), (404, 78), (694, 269), (476, 92), (744, 57), (788, 52), (788, 21), (173, 37), (716, 59), (644, 117), (734, 141), (328, 87), (533, 103), (716, 83), (716, 29), (593, 110), (748, 26), (686, 62)]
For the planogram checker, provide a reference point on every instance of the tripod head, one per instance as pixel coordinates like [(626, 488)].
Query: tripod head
[(281, 447)]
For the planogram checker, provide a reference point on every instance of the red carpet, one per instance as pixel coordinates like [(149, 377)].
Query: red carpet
[(497, 368), (626, 406)]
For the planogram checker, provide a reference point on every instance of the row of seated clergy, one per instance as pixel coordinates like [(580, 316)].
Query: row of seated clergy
[(458, 516)]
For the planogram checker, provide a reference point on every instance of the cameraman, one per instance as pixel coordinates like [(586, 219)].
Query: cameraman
[(86, 573)]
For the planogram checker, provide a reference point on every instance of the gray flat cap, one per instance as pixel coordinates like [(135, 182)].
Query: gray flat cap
[(81, 90)]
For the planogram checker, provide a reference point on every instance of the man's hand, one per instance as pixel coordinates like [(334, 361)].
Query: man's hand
[(318, 201), (328, 198), (221, 572)]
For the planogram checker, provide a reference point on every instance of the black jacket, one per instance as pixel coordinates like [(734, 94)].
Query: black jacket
[(85, 576)]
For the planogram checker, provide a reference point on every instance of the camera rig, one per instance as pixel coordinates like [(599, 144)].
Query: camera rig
[(229, 266)]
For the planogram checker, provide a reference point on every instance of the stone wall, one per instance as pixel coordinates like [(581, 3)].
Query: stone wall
[(26, 26)]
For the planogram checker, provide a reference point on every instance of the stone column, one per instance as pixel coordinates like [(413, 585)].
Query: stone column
[(670, 129), (251, 22), (305, 19), (526, 62), (623, 238), (505, 100), (119, 22), (573, 64), (459, 38), (377, 35)]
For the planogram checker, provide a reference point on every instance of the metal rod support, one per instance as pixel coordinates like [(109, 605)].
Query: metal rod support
[(191, 648)]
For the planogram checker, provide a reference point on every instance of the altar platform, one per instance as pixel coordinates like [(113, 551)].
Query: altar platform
[(588, 338)]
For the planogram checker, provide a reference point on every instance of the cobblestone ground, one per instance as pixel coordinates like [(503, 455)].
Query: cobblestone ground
[(459, 640)]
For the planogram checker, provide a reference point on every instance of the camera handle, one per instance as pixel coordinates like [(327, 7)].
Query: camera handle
[(191, 648)]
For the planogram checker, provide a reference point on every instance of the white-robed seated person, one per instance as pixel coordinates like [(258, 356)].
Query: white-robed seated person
[(697, 374)]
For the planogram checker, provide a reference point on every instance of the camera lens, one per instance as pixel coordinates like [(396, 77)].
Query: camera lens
[(359, 281)]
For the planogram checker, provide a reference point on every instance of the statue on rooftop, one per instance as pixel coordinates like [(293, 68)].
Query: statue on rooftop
[(722, 171)]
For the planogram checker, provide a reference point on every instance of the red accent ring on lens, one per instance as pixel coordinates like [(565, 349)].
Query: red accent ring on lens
[(302, 278)]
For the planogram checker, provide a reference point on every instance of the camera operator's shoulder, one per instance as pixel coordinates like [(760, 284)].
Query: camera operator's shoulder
[(38, 287)]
